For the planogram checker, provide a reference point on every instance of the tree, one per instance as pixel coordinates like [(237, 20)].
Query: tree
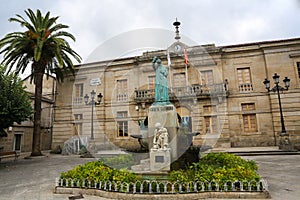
[(45, 48), (15, 103)]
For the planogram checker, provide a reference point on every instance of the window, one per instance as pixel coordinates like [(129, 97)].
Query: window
[(249, 119), (207, 77), (179, 84), (77, 124), (18, 141), (151, 82), (298, 68), (248, 106), (209, 109), (78, 99), (179, 80), (210, 124), (210, 119), (122, 124), (122, 90), (244, 79), (79, 90)]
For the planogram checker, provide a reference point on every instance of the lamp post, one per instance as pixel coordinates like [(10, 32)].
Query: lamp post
[(277, 88), (93, 103)]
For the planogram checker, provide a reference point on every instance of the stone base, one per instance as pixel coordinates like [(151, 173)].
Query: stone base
[(166, 115), (285, 143), (160, 159)]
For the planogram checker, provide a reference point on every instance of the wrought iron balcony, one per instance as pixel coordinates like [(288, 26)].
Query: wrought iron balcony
[(194, 91)]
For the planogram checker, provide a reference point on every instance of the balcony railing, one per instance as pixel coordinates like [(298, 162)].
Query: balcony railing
[(246, 87), (77, 100), (199, 91)]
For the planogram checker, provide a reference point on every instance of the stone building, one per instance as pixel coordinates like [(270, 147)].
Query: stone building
[(218, 93), (19, 136)]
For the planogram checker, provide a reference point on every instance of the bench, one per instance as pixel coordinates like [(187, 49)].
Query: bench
[(9, 154)]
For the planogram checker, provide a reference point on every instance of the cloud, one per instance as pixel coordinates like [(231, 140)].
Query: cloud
[(94, 22)]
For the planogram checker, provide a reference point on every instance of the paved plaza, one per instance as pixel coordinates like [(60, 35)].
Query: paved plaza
[(30, 179)]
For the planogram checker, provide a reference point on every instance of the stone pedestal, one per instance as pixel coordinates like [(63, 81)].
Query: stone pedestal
[(285, 143), (160, 159), (166, 115)]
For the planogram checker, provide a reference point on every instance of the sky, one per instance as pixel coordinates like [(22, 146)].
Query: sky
[(108, 23)]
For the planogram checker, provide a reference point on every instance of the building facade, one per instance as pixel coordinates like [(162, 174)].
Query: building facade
[(19, 136), (218, 92)]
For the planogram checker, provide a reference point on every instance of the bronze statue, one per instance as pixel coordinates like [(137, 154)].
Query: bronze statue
[(161, 82)]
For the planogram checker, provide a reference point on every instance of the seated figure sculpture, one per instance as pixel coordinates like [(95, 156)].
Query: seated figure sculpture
[(161, 137)]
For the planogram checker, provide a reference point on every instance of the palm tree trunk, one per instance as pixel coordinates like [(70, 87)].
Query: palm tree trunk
[(36, 140)]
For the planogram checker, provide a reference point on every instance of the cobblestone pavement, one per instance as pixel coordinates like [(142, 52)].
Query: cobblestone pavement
[(30, 179)]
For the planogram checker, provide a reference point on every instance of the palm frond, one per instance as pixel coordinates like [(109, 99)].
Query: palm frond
[(44, 45)]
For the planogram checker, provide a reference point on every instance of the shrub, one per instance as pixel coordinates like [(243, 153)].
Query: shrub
[(97, 171), (218, 167)]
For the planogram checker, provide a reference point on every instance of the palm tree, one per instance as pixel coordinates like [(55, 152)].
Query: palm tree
[(44, 47)]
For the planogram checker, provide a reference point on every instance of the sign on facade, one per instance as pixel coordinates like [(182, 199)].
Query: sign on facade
[(95, 81)]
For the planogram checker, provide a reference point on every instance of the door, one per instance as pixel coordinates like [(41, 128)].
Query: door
[(18, 141)]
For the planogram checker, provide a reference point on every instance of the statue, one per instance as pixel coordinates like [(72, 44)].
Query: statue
[(161, 137), (161, 83)]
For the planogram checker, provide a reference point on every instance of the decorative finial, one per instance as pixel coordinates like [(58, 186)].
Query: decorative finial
[(177, 24)]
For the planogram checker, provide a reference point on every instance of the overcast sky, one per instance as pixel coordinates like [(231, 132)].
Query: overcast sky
[(222, 22)]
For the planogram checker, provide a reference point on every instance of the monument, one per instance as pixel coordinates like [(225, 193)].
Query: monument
[(162, 122), (161, 82)]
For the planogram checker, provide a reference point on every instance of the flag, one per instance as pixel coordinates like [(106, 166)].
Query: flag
[(186, 59)]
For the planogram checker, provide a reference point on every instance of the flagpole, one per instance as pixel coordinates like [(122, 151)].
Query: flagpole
[(187, 78), (186, 61), (170, 74)]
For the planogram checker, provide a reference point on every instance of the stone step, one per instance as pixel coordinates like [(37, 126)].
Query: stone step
[(143, 166), (108, 153), (145, 161), (137, 168)]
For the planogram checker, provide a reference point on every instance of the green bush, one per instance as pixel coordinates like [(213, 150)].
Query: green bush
[(97, 171), (218, 167), (215, 167)]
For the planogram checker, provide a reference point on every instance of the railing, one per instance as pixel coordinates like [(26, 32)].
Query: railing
[(204, 91), (122, 97), (165, 187), (77, 100), (246, 87)]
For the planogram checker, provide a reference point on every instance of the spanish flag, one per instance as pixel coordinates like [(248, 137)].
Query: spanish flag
[(186, 59)]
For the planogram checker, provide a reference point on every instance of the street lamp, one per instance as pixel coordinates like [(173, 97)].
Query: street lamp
[(93, 103), (277, 88)]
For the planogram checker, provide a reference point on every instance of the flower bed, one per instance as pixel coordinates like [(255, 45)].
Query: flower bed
[(216, 172)]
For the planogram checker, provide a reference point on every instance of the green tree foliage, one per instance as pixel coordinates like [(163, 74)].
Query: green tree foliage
[(43, 46), (14, 100)]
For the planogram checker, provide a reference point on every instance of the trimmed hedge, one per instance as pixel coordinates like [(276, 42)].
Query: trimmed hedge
[(220, 167), (97, 171)]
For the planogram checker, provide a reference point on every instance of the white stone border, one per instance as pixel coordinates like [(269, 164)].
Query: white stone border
[(200, 195)]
